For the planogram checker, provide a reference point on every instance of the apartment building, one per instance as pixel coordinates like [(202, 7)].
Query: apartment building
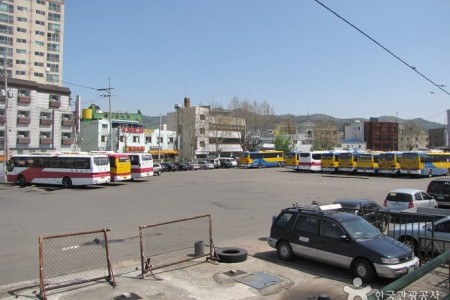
[(381, 136), (202, 131), (31, 39)]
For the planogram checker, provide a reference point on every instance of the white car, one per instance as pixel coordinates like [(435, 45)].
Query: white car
[(409, 234), (401, 199)]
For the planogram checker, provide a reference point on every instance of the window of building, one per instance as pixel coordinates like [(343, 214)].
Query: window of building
[(52, 77), (38, 64), (54, 27), (37, 53), (104, 126), (6, 40), (54, 17), (171, 140), (121, 138), (135, 139), (54, 6), (6, 29), (9, 52), (40, 2), (22, 19), (38, 74), (52, 57), (24, 30), (40, 23), (7, 7), (104, 139), (21, 73), (6, 19), (202, 117), (22, 8), (21, 62), (38, 43), (148, 139), (52, 47), (40, 12), (53, 67), (37, 32), (23, 41), (53, 37), (202, 130), (202, 144)]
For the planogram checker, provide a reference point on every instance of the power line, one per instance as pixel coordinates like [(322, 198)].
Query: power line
[(79, 85), (439, 86)]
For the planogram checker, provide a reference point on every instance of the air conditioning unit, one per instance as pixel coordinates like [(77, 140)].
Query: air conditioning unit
[(22, 116), (66, 118), (43, 117), (21, 136), (44, 137)]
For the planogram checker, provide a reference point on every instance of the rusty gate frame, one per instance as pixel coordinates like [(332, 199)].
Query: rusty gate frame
[(146, 265), (43, 289)]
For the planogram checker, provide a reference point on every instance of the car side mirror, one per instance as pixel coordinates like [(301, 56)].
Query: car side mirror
[(345, 238)]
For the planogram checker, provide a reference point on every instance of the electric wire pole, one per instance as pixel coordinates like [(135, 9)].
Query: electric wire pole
[(108, 94)]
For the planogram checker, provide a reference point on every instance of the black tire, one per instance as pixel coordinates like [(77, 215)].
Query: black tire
[(231, 254), (364, 269), (383, 225), (21, 181), (284, 251), (67, 182)]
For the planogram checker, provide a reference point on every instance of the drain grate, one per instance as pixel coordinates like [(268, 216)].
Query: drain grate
[(259, 280)]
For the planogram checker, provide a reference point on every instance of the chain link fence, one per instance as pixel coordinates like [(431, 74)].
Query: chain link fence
[(174, 242), (75, 258)]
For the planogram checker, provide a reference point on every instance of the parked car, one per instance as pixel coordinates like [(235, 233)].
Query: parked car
[(194, 165), (181, 166), (168, 167), (206, 165), (401, 199), (439, 189), (370, 210), (157, 169), (439, 231), (225, 162), (342, 239)]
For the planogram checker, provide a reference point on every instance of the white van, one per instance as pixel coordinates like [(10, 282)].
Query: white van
[(225, 162)]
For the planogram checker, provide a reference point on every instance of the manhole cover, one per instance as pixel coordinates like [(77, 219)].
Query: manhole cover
[(259, 280)]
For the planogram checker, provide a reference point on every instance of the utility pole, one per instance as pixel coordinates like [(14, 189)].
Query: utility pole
[(159, 139), (108, 94), (5, 135)]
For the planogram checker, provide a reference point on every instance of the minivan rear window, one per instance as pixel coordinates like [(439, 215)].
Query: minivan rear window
[(400, 197), (439, 187)]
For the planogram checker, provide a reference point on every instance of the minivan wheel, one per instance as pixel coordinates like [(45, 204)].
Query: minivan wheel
[(364, 269), (284, 251)]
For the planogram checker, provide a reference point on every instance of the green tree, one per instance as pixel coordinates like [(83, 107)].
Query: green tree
[(283, 143)]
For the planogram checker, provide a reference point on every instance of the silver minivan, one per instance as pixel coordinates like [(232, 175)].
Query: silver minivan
[(401, 199)]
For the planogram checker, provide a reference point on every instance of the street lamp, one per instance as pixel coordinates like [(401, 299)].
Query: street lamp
[(5, 135)]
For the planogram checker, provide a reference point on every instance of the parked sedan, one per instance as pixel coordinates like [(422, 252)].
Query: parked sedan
[(370, 210), (409, 234), (206, 165), (157, 169), (194, 166)]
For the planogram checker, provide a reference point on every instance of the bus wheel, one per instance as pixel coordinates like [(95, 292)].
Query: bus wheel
[(67, 182), (430, 173), (21, 181)]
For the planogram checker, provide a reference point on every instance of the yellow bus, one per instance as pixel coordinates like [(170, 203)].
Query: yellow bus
[(368, 163), (348, 162), (389, 163), (329, 161), (292, 160), (425, 163), (263, 158)]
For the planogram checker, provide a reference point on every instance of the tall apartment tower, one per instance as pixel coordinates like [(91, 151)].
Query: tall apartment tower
[(31, 37)]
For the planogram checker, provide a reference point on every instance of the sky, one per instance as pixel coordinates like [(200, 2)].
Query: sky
[(294, 54)]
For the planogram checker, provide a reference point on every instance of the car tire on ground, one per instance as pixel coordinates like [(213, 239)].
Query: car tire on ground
[(231, 254), (284, 251), (363, 269)]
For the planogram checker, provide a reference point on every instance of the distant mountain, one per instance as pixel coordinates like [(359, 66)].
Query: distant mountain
[(153, 122)]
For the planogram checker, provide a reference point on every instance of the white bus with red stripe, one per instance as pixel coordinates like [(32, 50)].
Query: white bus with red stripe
[(141, 165), (310, 161), (67, 169)]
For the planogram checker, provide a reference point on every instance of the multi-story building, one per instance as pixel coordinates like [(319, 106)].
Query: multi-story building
[(31, 39), (120, 132), (161, 143), (35, 117), (381, 136), (202, 131), (438, 138)]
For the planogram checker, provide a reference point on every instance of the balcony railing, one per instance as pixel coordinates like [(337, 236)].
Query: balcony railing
[(55, 104), (23, 140), (45, 141), (24, 99), (46, 121), (67, 122), (23, 120), (66, 141)]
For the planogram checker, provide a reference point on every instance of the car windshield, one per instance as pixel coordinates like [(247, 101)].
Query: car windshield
[(358, 228)]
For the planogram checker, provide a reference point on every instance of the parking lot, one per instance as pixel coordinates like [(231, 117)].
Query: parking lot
[(240, 201)]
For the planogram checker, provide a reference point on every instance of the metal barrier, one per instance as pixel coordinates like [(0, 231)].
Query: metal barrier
[(174, 242), (74, 258)]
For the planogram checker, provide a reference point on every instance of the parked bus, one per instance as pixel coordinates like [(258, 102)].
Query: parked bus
[(389, 163), (292, 160), (311, 161), (74, 169), (368, 163), (425, 163), (141, 165), (329, 161), (120, 166), (348, 162), (259, 159)]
